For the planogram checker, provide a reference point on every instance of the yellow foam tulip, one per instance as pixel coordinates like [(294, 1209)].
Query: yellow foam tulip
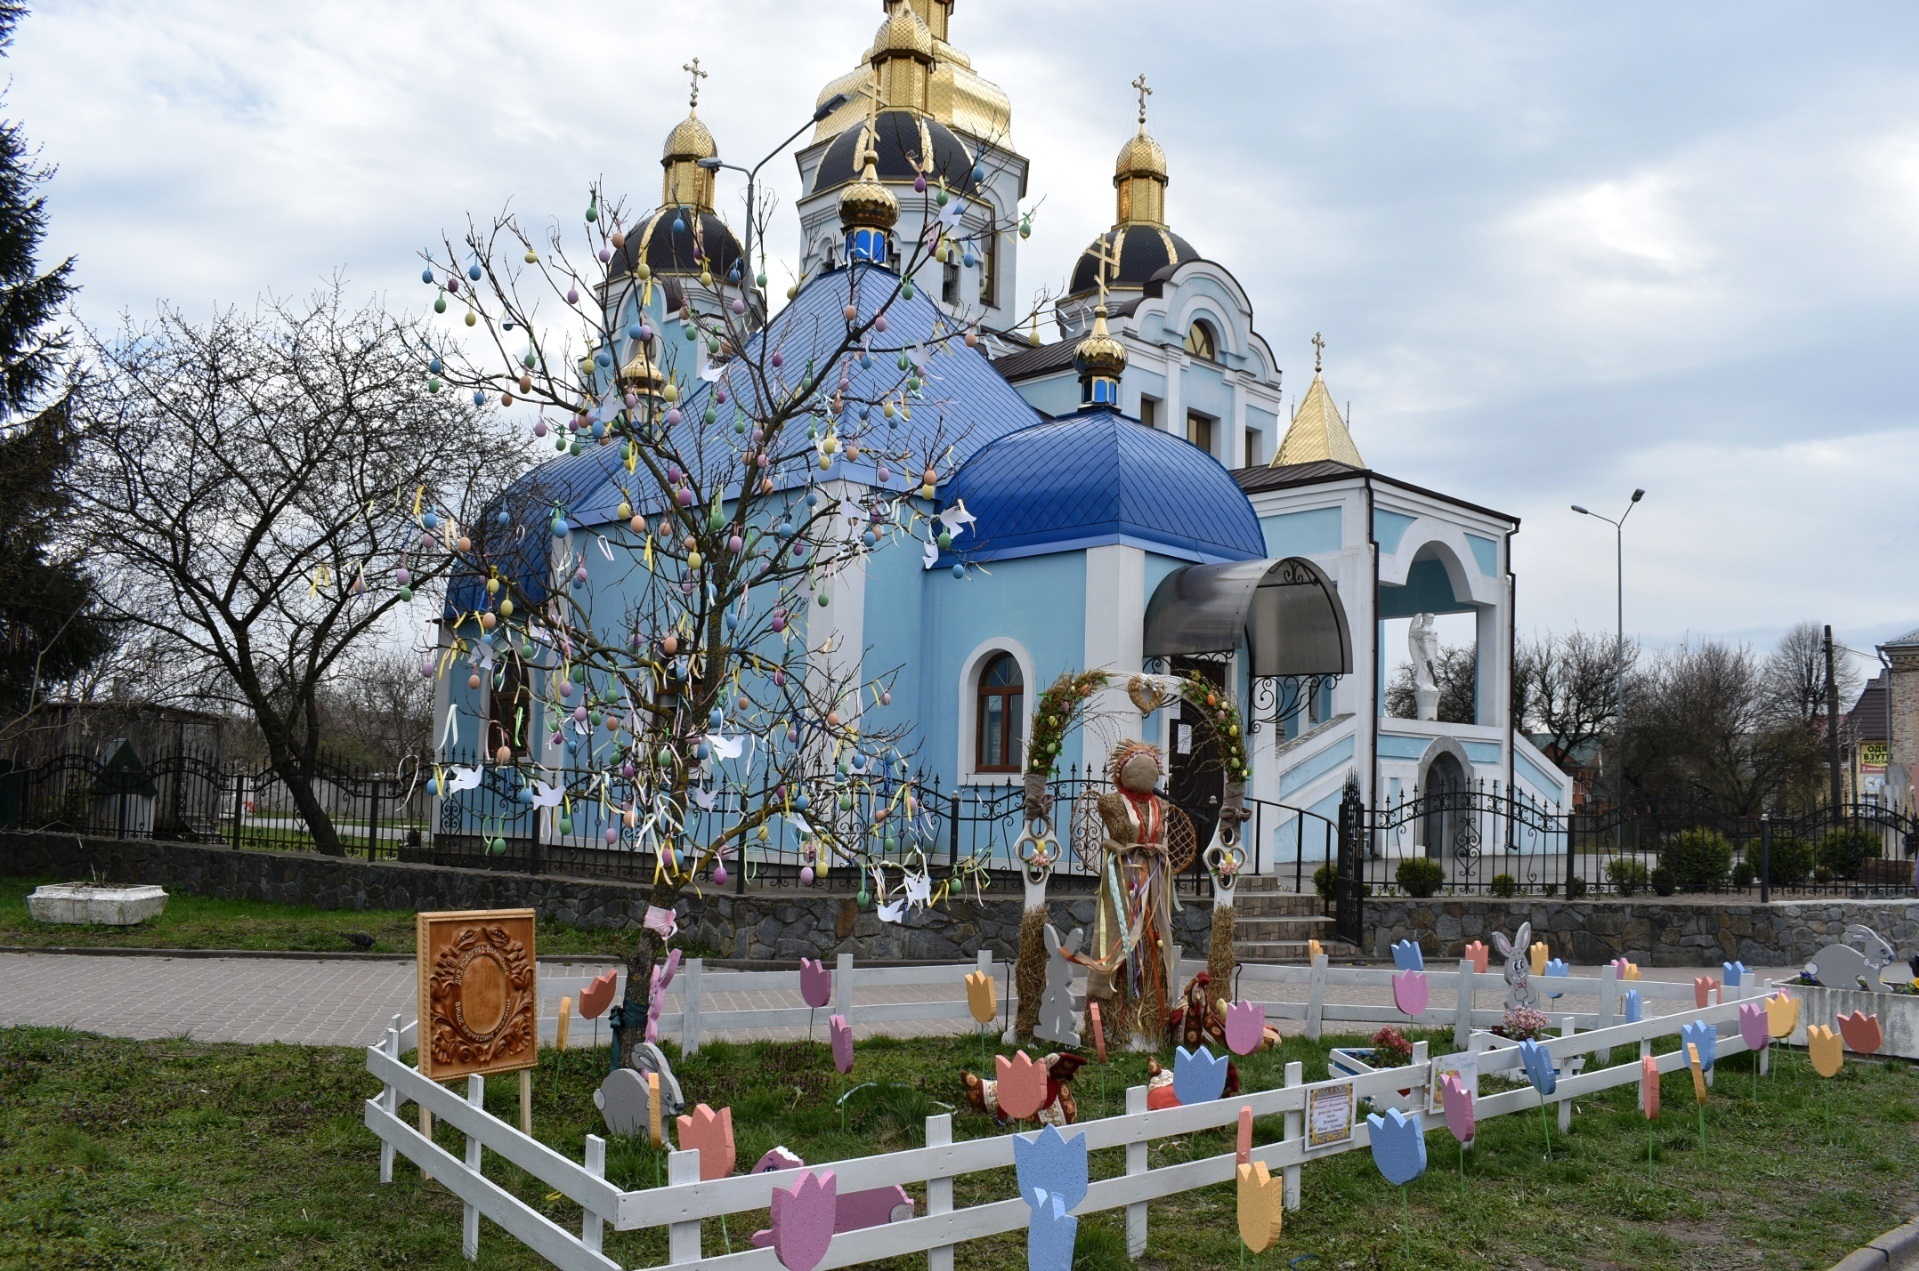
[(1827, 1051), (980, 997), (1698, 1073), (1261, 1206), (1782, 1014), (1539, 953)]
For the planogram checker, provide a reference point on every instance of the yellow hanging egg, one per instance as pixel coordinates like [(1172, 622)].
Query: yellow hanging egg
[(471, 318), (706, 278), (506, 608), (644, 272), (826, 461), (626, 510), (671, 392), (532, 257), (492, 586), (694, 560)]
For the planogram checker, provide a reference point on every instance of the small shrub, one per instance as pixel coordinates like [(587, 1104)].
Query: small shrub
[(1552, 889), (1575, 887), (1325, 878), (1845, 850), (1391, 1049), (1627, 876), (1418, 876), (1505, 886), (1697, 858), (1743, 873), (1790, 858), (1822, 875), (1662, 882)]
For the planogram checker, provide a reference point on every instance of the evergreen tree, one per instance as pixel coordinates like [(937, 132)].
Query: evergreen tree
[(47, 627)]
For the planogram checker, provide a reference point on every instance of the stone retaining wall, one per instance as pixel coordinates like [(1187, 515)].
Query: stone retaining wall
[(760, 925), (1655, 932)]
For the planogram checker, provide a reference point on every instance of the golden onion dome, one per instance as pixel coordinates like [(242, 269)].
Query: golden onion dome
[(690, 140), (1099, 355), (866, 204), (1141, 156), (903, 33), (642, 373)]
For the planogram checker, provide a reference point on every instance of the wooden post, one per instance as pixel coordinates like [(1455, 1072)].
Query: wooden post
[(1463, 1018), (1295, 1129), (593, 1225), (843, 987), (683, 1238), (566, 1024), (426, 1132), (1608, 1007), (470, 1214), (1565, 1069), (690, 1006), (526, 1102), (1136, 1164), (939, 1191), (1316, 999), (390, 1099)]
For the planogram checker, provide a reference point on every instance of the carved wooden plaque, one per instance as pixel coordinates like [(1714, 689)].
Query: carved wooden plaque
[(479, 1004)]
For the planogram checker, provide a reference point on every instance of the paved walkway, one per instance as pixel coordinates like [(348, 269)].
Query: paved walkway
[(348, 1003)]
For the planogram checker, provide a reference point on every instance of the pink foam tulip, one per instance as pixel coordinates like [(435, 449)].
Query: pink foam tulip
[(1245, 1027), (1410, 992), (1458, 1103)]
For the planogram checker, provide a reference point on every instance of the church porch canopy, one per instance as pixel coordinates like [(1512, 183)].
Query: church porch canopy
[(1286, 611)]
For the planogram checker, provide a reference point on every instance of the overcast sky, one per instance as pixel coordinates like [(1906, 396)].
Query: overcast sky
[(1557, 251)]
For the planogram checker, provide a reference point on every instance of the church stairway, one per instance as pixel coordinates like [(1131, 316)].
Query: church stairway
[(1271, 925)]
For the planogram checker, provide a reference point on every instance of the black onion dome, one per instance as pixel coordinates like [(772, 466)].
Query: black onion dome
[(909, 144), (1143, 251), (668, 252)]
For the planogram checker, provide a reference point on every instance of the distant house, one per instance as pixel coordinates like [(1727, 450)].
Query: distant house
[(158, 733), (1580, 762)]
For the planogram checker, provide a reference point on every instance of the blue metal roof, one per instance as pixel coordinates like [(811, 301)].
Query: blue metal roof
[(964, 404), (1098, 477)]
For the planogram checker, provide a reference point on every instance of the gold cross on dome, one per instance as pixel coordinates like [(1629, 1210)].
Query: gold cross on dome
[(1319, 347), (869, 89), (1144, 93), (693, 68), (1107, 259)]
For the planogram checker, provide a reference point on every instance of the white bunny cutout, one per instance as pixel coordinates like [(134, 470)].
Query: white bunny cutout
[(1519, 990)]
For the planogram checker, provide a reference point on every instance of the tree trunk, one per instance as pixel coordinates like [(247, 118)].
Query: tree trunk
[(649, 946), (298, 779)]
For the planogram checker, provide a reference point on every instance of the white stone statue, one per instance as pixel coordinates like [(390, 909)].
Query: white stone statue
[(1423, 643)]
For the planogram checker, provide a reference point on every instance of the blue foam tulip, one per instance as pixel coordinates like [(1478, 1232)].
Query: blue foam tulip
[(1050, 1235), (1198, 1076), (1538, 1062), (1050, 1164), (1634, 1008), (1399, 1145), (1735, 973), (1704, 1036), (1407, 956), (1557, 968)]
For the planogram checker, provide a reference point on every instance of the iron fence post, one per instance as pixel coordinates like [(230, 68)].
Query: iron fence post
[(952, 835), (239, 801), (1765, 858), (373, 819), (1572, 860)]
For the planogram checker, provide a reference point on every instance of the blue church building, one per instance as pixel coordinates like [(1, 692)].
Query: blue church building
[(1136, 493)]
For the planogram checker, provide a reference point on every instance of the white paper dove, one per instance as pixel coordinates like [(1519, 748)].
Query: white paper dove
[(547, 796), (459, 779)]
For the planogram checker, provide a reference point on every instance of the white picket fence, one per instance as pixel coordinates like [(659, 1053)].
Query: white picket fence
[(685, 1204)]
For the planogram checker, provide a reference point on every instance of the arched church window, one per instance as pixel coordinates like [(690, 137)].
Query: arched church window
[(998, 716), (1201, 342)]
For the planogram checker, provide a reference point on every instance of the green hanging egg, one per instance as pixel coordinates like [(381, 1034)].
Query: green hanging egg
[(406, 593), (439, 303), (433, 384), (863, 898), (906, 289), (566, 825)]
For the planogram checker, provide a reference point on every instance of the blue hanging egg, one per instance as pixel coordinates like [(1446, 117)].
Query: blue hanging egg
[(426, 275), (504, 518), (959, 571), (603, 359), (432, 785), (679, 224), (560, 527), (633, 330), (479, 397), (434, 366), (430, 519), (979, 174), (473, 271)]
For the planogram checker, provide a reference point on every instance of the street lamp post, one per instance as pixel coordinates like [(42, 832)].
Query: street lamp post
[(1619, 654), (824, 109)]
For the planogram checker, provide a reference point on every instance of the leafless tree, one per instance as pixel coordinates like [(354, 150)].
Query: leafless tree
[(1795, 675), (1457, 675), (378, 710), (247, 481), (1566, 686)]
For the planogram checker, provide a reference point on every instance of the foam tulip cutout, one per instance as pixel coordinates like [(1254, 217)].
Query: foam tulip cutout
[(842, 1034), (1410, 992), (1736, 973), (1099, 1032), (1539, 953), (1627, 970), (1050, 1235), (1702, 987), (1199, 1076), (1243, 1145), (1827, 1053), (1698, 1072), (1245, 1027), (597, 996), (1782, 1014), (1635, 1010), (1538, 1062), (1408, 956), (712, 1134), (1022, 1085), (1477, 954), (1049, 1163), (1262, 1206), (816, 983), (1862, 1032), (1458, 1104), (802, 1220), (1752, 1025), (1703, 1035), (1399, 1145), (1556, 969), (1314, 950), (981, 998), (1649, 1088)]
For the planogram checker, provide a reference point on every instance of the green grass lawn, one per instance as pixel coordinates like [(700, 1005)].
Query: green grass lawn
[(168, 1154), (207, 922)]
